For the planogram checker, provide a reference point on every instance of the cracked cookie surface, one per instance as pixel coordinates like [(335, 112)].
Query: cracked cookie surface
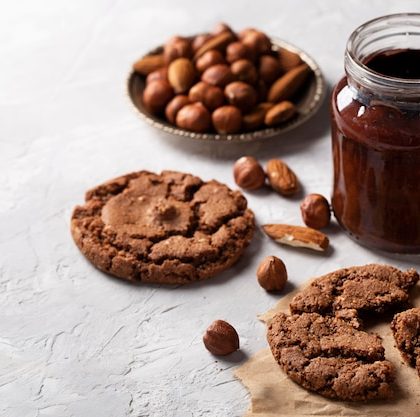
[(170, 228), (362, 288), (406, 330), (330, 356)]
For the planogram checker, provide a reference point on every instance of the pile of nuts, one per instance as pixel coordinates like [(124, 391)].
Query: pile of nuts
[(249, 175), (222, 81)]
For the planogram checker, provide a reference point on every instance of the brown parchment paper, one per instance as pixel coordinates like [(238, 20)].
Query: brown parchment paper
[(273, 394)]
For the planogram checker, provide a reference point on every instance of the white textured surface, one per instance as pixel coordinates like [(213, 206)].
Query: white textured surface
[(74, 342)]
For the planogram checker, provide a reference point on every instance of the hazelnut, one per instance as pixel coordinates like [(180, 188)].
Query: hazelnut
[(157, 95), (211, 96), (209, 59), (221, 338), (199, 41), (315, 211), (194, 117), (241, 95), (248, 173), (272, 274), (158, 75), (245, 32), (227, 119), (177, 47), (244, 70), (258, 42), (222, 27), (269, 68), (174, 106), (238, 50), (181, 74), (219, 75)]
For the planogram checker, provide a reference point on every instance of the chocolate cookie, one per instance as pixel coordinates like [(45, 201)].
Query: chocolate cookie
[(406, 329), (361, 288), (171, 228), (330, 356)]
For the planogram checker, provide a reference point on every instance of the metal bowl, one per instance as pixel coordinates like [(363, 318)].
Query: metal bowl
[(307, 104)]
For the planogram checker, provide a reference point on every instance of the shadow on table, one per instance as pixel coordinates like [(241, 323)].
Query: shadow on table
[(298, 140)]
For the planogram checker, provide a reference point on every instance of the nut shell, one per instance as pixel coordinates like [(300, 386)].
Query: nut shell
[(269, 68), (227, 119), (158, 75), (211, 96), (244, 70), (219, 75), (241, 95), (281, 178), (237, 50), (194, 117), (248, 173), (209, 59), (174, 106), (157, 95), (280, 113), (177, 47), (221, 338), (315, 211), (272, 274), (258, 42)]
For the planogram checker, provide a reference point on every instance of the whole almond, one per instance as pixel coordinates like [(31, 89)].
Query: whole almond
[(282, 179), (255, 118), (148, 64), (297, 236), (288, 59), (280, 113), (181, 75), (288, 84), (218, 42)]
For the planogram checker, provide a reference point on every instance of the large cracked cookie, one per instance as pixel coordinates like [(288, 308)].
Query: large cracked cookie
[(328, 355), (406, 329), (360, 288), (171, 228)]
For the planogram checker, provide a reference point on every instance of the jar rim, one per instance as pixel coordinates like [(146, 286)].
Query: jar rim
[(366, 27), (370, 33)]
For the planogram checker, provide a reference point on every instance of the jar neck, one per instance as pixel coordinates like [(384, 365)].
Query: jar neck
[(399, 31)]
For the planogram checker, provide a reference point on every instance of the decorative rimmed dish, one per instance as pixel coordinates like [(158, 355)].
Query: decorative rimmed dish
[(307, 104)]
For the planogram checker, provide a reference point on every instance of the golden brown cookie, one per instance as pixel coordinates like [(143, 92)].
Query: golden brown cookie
[(169, 228)]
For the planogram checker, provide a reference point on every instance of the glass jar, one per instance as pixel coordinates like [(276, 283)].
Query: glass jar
[(375, 118)]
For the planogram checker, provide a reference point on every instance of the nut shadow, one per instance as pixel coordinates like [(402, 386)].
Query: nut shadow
[(297, 140)]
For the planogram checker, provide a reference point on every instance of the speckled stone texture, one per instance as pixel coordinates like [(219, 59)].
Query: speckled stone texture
[(74, 343)]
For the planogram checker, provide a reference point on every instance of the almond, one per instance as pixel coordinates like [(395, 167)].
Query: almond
[(288, 59), (280, 113), (218, 42), (298, 236), (255, 119), (288, 84), (148, 64), (282, 179), (181, 75)]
